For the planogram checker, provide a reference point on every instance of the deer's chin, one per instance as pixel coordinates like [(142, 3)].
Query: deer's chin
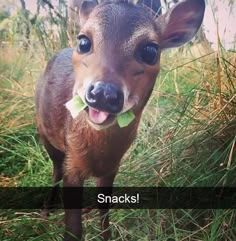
[(98, 119), (100, 127)]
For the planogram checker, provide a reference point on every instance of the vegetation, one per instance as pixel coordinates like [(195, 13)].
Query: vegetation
[(186, 138)]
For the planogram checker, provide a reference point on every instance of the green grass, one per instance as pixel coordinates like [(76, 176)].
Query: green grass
[(186, 138)]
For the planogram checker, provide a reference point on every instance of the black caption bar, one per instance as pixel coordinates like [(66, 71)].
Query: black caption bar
[(119, 197)]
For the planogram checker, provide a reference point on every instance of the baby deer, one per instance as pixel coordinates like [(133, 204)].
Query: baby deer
[(113, 70)]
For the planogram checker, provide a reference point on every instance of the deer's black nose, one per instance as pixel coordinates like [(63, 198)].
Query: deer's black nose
[(105, 96)]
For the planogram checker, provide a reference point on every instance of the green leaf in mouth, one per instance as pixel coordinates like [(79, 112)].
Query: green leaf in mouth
[(124, 119), (75, 105)]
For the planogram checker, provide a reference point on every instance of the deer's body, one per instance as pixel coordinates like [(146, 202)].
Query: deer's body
[(113, 70), (93, 153)]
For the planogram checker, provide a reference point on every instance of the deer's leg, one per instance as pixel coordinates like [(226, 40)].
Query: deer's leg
[(57, 158), (105, 182), (73, 219)]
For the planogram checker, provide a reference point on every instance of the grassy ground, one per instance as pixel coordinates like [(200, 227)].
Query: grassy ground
[(186, 138)]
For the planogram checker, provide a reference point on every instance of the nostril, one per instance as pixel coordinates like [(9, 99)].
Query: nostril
[(91, 94), (91, 89), (95, 91), (111, 96)]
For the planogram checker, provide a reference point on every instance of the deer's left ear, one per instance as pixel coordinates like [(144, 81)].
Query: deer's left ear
[(85, 9), (179, 24)]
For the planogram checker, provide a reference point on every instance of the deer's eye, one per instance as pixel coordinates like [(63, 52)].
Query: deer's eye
[(149, 53), (84, 44)]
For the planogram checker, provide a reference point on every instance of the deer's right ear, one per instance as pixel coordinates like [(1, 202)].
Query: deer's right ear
[(85, 9)]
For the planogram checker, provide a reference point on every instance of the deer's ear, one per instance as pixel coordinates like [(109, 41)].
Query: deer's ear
[(154, 5), (179, 24), (85, 9)]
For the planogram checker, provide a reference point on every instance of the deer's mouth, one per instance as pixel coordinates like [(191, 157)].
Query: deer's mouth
[(99, 117)]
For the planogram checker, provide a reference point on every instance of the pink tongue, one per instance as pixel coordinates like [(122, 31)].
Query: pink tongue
[(97, 116)]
